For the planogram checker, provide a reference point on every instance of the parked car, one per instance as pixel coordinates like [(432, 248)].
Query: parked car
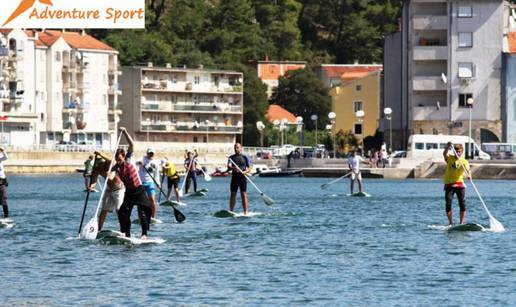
[(400, 154)]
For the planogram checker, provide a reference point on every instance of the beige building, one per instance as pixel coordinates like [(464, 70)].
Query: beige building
[(359, 94), (182, 105)]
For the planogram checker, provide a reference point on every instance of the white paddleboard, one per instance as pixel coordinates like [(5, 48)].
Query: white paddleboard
[(116, 237), (6, 223), (153, 221)]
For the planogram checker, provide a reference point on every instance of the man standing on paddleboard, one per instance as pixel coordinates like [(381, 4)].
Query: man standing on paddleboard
[(454, 180), (169, 171), (3, 184), (238, 179), (354, 167), (191, 171), (134, 190), (148, 168)]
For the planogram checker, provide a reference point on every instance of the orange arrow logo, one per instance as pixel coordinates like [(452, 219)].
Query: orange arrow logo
[(24, 6)]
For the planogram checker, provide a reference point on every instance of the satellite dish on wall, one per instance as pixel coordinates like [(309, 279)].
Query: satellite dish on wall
[(444, 78)]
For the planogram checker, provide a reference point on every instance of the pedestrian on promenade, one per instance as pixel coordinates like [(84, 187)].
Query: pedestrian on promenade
[(454, 180)]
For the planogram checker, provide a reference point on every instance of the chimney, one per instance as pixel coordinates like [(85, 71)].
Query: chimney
[(150, 65), (83, 33), (168, 65), (356, 62)]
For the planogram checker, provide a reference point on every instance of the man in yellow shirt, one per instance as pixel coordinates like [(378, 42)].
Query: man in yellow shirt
[(454, 180), (169, 170)]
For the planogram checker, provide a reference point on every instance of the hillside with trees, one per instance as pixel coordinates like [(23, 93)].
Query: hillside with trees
[(228, 34)]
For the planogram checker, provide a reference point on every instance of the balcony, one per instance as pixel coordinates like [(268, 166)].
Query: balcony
[(425, 22), (69, 68), (421, 53), (114, 69), (114, 90), (430, 113), (189, 128), (70, 86), (428, 84), (191, 108)]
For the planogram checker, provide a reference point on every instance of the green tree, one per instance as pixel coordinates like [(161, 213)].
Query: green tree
[(304, 94)]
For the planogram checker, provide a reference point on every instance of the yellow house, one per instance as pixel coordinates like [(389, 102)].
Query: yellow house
[(357, 92)]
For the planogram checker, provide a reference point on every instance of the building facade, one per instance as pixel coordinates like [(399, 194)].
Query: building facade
[(451, 57), (334, 74), (57, 87), (360, 94), (270, 72), (184, 106)]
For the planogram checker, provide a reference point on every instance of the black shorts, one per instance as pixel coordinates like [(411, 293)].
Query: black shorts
[(238, 182), (172, 182), (136, 197), (461, 197)]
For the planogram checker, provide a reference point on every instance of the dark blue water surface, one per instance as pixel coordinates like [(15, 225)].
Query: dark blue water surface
[(318, 247)]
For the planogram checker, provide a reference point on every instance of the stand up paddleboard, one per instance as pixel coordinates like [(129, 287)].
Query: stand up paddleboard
[(225, 214), (6, 223), (153, 221), (467, 227), (169, 203), (360, 194), (201, 192), (116, 237), (91, 191)]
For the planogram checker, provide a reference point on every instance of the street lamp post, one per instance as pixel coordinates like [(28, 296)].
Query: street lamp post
[(360, 116), (315, 118), (260, 126), (332, 116), (328, 128), (299, 120), (207, 122), (470, 106), (283, 128), (388, 116), (276, 124)]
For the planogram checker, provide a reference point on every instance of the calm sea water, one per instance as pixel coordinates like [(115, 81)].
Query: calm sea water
[(318, 247)]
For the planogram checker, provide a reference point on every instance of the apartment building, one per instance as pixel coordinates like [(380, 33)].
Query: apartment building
[(270, 72), (184, 106), (333, 75), (451, 61), (57, 86)]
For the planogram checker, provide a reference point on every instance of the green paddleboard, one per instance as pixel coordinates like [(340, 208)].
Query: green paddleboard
[(467, 227), (360, 194), (225, 214), (170, 203), (153, 221)]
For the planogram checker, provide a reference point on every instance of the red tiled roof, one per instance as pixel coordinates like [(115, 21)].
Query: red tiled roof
[(77, 40), (511, 38), (336, 71), (276, 112)]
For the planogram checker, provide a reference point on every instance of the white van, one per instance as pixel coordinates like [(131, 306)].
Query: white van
[(431, 146)]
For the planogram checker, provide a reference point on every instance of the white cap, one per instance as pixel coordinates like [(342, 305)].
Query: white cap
[(151, 150)]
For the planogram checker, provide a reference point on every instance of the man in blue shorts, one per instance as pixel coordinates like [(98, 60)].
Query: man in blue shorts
[(238, 179), (148, 165)]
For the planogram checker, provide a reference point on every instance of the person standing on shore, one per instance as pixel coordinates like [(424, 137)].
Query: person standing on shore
[(238, 179), (147, 168), (88, 169), (169, 170), (454, 180), (354, 167), (3, 184), (134, 190), (191, 170)]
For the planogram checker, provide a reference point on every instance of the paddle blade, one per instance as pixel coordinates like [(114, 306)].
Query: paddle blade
[(324, 186), (90, 230), (207, 177), (267, 200), (180, 217), (180, 192), (495, 225)]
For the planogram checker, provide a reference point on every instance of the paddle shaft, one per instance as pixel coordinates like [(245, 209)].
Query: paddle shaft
[(186, 175), (472, 183), (87, 197), (336, 180), (162, 179)]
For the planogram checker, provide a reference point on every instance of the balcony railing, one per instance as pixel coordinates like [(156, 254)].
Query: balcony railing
[(165, 85), (183, 127), (427, 22), (192, 107)]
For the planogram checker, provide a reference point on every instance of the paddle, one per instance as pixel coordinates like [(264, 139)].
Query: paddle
[(87, 197), (495, 225), (207, 177), (326, 185), (266, 199), (162, 178), (92, 228), (180, 192), (180, 217)]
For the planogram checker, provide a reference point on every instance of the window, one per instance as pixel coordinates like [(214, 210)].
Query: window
[(197, 79), (465, 39), (420, 146), (465, 11), (195, 139), (443, 145), (58, 56), (174, 79), (431, 146), (466, 70), (358, 87), (358, 128), (357, 106), (463, 99)]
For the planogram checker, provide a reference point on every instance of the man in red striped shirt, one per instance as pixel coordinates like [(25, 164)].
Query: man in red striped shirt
[(134, 191)]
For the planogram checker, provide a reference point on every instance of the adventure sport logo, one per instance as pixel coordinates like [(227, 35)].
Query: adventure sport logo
[(73, 14)]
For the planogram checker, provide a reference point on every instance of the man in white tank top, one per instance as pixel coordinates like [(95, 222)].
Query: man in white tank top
[(354, 167)]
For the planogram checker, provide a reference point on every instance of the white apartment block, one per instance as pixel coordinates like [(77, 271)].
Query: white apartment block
[(451, 52), (57, 86), (165, 106)]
